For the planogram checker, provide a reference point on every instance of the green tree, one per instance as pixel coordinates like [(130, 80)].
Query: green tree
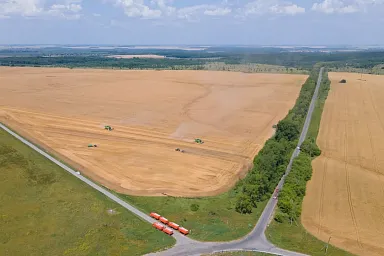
[(309, 147), (243, 204), (287, 129), (252, 192)]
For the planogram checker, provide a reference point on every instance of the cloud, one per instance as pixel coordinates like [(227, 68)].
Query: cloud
[(193, 13), (218, 12), (137, 8), (164, 6), (345, 6), (32, 8), (287, 9), (20, 7), (261, 7), (68, 10)]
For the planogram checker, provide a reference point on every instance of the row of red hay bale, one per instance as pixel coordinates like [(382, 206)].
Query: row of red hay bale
[(167, 230)]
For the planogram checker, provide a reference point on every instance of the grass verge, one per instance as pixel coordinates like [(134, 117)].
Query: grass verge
[(208, 218), (46, 211), (295, 238), (286, 231)]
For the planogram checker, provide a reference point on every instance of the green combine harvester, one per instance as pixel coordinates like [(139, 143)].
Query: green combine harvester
[(109, 128), (199, 141)]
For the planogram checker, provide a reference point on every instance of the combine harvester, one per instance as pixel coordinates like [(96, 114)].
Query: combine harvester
[(108, 127), (199, 141)]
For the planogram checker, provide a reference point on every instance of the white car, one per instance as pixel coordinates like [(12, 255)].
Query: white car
[(298, 148)]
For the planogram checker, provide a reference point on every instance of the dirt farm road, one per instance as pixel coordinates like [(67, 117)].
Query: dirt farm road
[(255, 241)]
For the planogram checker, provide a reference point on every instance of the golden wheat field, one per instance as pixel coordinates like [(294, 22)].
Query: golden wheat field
[(344, 199), (152, 113)]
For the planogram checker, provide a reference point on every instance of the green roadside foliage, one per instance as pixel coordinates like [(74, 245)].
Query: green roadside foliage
[(46, 211), (286, 231)]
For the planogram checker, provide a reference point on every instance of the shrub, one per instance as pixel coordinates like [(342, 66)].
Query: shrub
[(288, 130), (279, 217), (195, 207), (244, 205), (310, 147)]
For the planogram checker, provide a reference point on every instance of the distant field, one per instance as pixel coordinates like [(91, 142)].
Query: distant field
[(46, 211), (253, 68), (344, 199), (148, 56), (153, 113)]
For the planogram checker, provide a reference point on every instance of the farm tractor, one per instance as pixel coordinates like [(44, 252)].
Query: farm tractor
[(199, 141), (109, 128)]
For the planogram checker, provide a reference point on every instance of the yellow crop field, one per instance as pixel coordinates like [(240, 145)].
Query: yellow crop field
[(344, 198), (153, 113)]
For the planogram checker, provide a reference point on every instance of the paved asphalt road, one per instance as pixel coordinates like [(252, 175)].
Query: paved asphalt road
[(254, 241)]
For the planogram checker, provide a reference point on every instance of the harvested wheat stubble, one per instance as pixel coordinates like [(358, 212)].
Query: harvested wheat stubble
[(153, 113), (345, 196)]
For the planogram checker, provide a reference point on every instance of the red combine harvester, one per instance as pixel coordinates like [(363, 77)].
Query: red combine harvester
[(155, 215), (158, 226), (163, 220), (173, 225), (183, 231), (168, 231)]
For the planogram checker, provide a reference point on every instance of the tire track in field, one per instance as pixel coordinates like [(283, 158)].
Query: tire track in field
[(321, 207), (374, 107), (187, 107), (375, 165), (347, 178)]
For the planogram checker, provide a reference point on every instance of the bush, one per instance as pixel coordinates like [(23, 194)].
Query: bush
[(279, 217), (288, 130), (195, 207), (310, 147), (244, 205)]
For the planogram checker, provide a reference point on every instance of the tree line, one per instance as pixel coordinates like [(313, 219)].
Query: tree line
[(75, 58), (271, 162), (293, 192)]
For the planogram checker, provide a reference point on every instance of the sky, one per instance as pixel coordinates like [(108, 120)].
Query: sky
[(192, 22)]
